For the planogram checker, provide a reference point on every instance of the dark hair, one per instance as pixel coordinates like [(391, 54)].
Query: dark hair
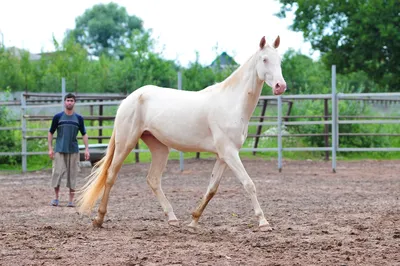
[(70, 95)]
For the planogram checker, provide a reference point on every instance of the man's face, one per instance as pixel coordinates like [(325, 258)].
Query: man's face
[(69, 103)]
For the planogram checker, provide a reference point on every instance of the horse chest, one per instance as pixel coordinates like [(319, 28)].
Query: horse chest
[(234, 129)]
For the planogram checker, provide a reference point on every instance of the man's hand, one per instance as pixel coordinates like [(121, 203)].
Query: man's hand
[(51, 154), (86, 142), (87, 154)]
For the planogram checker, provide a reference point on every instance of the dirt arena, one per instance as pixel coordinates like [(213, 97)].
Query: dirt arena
[(319, 218)]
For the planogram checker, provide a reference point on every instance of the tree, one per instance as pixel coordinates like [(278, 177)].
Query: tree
[(10, 75), (141, 65), (303, 75), (104, 29), (68, 61), (196, 77), (354, 35)]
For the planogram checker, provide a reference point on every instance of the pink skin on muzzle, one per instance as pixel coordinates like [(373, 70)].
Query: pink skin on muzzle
[(279, 88)]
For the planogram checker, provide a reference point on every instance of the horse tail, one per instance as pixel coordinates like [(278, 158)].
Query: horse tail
[(96, 181)]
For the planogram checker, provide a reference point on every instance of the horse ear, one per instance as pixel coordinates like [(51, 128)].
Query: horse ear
[(262, 42), (277, 42)]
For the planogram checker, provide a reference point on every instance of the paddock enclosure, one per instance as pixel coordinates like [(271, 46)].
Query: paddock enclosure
[(351, 217)]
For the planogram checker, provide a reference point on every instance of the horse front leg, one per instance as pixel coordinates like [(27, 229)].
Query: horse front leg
[(216, 176), (232, 159)]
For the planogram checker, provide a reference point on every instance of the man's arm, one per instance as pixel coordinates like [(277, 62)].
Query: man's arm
[(82, 129), (86, 142), (53, 128), (50, 144)]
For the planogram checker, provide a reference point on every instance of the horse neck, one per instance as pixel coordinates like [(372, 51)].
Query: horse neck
[(246, 87)]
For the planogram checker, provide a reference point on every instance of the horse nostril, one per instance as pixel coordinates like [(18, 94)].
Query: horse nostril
[(281, 86)]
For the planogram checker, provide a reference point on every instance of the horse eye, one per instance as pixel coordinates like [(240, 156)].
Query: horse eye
[(265, 60)]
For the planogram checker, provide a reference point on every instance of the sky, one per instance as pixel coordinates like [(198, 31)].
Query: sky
[(181, 28)]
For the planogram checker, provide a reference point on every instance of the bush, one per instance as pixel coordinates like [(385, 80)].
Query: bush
[(309, 108), (8, 141), (346, 108), (359, 108)]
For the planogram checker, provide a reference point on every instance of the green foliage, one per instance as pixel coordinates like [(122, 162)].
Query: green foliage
[(27, 70), (348, 109), (197, 77), (68, 60), (10, 74), (354, 35), (358, 108), (310, 108), (105, 29), (141, 66), (355, 82), (303, 75), (37, 162), (8, 141)]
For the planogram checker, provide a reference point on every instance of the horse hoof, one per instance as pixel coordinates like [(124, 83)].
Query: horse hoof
[(192, 229), (192, 225), (265, 228), (96, 224), (174, 223)]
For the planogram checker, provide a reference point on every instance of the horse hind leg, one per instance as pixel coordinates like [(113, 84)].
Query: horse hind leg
[(123, 146), (218, 170), (159, 158)]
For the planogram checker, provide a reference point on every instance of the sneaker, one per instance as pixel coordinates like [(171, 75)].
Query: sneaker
[(54, 202), (71, 204)]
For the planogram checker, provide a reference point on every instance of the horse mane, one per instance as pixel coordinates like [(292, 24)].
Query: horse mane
[(239, 75)]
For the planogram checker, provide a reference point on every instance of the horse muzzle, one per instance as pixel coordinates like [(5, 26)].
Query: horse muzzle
[(279, 88)]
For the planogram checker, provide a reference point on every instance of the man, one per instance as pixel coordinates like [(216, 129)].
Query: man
[(66, 154)]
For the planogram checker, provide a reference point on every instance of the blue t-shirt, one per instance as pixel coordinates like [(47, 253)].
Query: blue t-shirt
[(67, 127)]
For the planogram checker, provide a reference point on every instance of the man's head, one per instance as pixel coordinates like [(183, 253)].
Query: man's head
[(69, 101)]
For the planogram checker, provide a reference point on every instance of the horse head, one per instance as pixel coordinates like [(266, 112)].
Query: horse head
[(268, 66)]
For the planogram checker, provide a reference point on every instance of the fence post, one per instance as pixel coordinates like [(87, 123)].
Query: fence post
[(280, 133), (63, 93), (259, 127), (23, 129), (137, 157), (100, 140), (181, 162), (326, 131), (334, 119)]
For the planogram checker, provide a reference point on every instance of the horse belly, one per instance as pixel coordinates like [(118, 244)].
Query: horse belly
[(184, 138), (182, 131)]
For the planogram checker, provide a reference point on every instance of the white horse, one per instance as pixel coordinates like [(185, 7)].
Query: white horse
[(214, 119)]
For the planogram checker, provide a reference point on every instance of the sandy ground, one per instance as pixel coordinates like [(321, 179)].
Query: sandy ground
[(351, 217)]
